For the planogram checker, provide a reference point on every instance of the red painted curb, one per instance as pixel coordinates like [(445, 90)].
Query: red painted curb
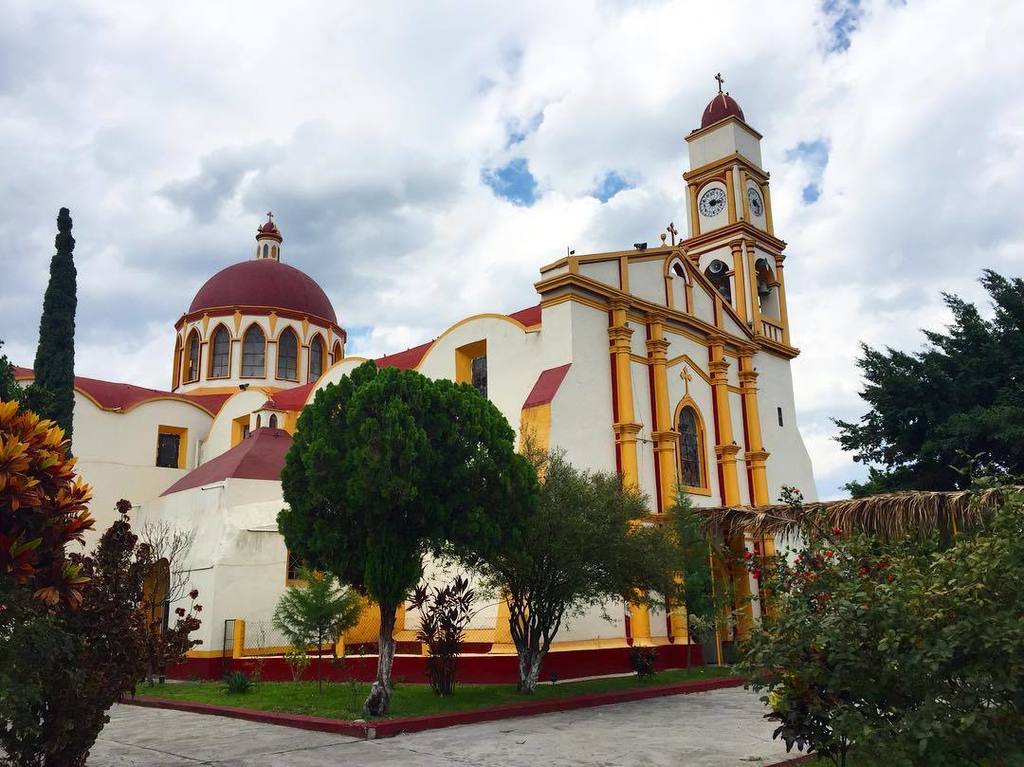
[(386, 728)]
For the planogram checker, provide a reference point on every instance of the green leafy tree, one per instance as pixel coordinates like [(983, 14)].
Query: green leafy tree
[(577, 547), (961, 394), (316, 612), (55, 356), (387, 466), (909, 652), (694, 568)]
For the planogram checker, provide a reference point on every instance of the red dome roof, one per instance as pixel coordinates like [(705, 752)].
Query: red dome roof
[(721, 106), (264, 282), (270, 231)]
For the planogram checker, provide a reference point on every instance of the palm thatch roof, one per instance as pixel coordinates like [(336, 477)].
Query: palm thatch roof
[(887, 516)]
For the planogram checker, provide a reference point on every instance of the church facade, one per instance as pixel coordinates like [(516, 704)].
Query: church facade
[(667, 362)]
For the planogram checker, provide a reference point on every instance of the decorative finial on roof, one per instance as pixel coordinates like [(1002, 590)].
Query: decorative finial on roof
[(721, 80)]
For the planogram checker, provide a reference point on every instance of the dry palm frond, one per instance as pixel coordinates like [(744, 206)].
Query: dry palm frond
[(887, 516)]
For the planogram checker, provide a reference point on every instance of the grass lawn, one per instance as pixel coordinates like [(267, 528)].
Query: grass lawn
[(1011, 761), (344, 700)]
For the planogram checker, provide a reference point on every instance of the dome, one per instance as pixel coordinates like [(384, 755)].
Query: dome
[(721, 106), (264, 282), (269, 230)]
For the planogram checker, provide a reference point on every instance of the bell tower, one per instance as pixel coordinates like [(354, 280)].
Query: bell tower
[(268, 240), (732, 235)]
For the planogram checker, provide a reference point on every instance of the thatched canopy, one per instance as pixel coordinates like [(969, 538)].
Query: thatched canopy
[(887, 516)]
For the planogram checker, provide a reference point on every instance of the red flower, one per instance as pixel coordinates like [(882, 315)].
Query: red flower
[(829, 553), (890, 578), (863, 571), (882, 565), (193, 593), (180, 612), (747, 555), (837, 530)]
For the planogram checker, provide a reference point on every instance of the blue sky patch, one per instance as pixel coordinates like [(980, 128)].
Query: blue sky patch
[(843, 17), (610, 185), (513, 181), (518, 130), (813, 154)]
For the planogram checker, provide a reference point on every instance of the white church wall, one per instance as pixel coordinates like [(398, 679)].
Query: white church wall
[(602, 271), (703, 304), (596, 626), (645, 444), (789, 463), (647, 280), (219, 438)]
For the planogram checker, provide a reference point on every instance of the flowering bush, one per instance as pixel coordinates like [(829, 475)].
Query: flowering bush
[(912, 651)]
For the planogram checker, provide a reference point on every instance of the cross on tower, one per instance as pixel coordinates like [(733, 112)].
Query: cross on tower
[(672, 231), (270, 217), (720, 81)]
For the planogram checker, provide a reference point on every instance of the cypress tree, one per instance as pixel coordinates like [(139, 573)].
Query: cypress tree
[(55, 355)]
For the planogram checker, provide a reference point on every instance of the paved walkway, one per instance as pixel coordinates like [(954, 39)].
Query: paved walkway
[(723, 727)]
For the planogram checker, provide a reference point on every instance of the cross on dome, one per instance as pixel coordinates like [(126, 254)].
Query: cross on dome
[(721, 80)]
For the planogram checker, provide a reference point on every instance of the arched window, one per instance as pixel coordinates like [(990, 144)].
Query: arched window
[(691, 472), (220, 353), (258, 421), (266, 249), (176, 380), (288, 355), (253, 353), (718, 273), (767, 295), (192, 361), (273, 420), (316, 358), (338, 354)]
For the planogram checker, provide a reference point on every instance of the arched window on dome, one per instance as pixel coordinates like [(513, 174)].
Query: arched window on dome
[(193, 348), (337, 354), (692, 468), (273, 420), (288, 355), (316, 357), (254, 353), (220, 353), (266, 250), (176, 364), (718, 273)]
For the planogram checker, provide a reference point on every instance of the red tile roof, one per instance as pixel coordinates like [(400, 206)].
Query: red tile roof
[(547, 386), (259, 456), (529, 316), (119, 396), (294, 398)]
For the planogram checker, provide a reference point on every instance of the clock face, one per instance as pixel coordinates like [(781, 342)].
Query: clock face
[(755, 202), (712, 202)]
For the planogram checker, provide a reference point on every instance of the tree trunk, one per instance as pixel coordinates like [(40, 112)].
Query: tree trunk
[(379, 700), (529, 669)]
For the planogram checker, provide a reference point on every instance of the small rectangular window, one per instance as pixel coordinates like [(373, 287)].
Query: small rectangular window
[(167, 448), (480, 374), (780, 415), (293, 567)]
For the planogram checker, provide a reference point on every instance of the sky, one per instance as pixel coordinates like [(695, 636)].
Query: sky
[(424, 159)]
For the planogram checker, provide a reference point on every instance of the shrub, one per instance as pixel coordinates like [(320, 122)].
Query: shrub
[(642, 660), (445, 613), (237, 683), (912, 652), (298, 661)]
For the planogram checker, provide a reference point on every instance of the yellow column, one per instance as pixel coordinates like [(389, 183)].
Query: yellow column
[(756, 454), (768, 208), (663, 435), (238, 639), (755, 306), (725, 447), (694, 220), (502, 641), (741, 279), (626, 429), (743, 195), (783, 314), (730, 190), (625, 426)]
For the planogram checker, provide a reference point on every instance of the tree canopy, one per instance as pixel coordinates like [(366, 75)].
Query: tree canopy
[(962, 394), (55, 356), (578, 547), (388, 465)]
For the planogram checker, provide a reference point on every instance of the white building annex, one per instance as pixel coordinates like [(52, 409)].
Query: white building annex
[(662, 361)]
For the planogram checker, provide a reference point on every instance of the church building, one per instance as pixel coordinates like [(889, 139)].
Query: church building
[(667, 361)]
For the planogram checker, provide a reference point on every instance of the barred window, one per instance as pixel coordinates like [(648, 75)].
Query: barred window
[(479, 366), (192, 369), (253, 352), (689, 449), (316, 358)]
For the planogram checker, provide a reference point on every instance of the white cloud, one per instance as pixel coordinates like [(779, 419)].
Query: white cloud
[(367, 129)]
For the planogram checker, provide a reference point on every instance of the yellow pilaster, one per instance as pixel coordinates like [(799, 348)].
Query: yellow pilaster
[(664, 437), (640, 625), (625, 426), (694, 220), (767, 208), (741, 278), (730, 190), (743, 195), (783, 314), (238, 639), (755, 306), (756, 454), (725, 447), (502, 641)]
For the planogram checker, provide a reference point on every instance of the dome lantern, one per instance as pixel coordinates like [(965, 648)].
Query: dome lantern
[(268, 240)]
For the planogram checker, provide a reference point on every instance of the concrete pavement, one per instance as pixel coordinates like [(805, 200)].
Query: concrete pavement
[(718, 728)]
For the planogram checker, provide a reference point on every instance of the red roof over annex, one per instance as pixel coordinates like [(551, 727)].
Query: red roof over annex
[(259, 456), (121, 397)]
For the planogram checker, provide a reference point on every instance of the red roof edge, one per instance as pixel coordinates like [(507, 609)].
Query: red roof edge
[(258, 456), (292, 399), (548, 383), (406, 360), (530, 316)]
